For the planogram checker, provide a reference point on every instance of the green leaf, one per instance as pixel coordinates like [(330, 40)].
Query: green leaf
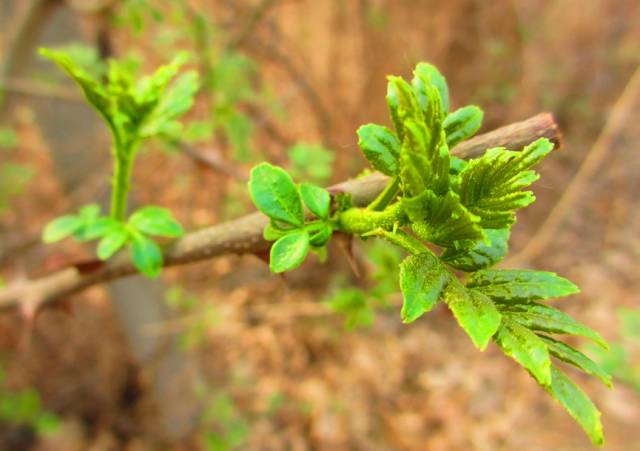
[(526, 348), (482, 254), (576, 358), (274, 194), (99, 228), (548, 319), (442, 220), (380, 147), (93, 91), (322, 236), (474, 311), (146, 255), (156, 221), (112, 242), (491, 186), (426, 75), (402, 104), (289, 252), (422, 279), (519, 285), (424, 160), (316, 199), (61, 228), (272, 232), (462, 124), (577, 403)]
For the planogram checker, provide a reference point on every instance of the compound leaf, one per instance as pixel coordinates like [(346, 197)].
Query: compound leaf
[(475, 313), (519, 285), (422, 279), (491, 186), (577, 403), (289, 251), (526, 348), (274, 194)]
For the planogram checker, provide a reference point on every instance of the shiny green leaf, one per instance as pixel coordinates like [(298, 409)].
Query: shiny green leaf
[(426, 76), (526, 348), (474, 311), (518, 285), (289, 251), (576, 358), (422, 279), (274, 194), (462, 124), (545, 318), (482, 254), (577, 403), (316, 199), (380, 147)]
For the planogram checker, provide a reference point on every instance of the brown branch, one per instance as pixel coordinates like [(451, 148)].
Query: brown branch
[(244, 235)]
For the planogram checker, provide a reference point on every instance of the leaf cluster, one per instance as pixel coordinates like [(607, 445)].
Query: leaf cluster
[(454, 218), (113, 235)]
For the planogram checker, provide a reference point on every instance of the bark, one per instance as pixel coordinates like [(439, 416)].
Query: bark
[(244, 235)]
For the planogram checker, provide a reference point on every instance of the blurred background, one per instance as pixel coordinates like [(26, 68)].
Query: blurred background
[(223, 355)]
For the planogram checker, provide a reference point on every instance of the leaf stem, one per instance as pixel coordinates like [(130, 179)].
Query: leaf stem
[(386, 196)]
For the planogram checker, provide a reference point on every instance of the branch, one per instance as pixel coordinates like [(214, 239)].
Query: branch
[(244, 235)]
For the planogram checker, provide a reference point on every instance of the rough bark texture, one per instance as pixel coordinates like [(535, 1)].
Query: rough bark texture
[(244, 235)]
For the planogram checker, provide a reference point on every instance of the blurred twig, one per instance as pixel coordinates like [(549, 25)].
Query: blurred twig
[(254, 19), (592, 162), (242, 235)]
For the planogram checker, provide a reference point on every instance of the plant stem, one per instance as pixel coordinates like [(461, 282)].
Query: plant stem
[(358, 221), (123, 164)]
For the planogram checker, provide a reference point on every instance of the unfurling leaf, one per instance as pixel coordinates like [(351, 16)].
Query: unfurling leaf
[(316, 199), (443, 220), (380, 147), (422, 279), (462, 124), (474, 311), (402, 104), (427, 75), (577, 403), (521, 285), (526, 348), (491, 186), (289, 251), (274, 194), (482, 254)]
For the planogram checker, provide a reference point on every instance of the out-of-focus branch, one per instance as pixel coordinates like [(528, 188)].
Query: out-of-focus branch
[(244, 235)]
